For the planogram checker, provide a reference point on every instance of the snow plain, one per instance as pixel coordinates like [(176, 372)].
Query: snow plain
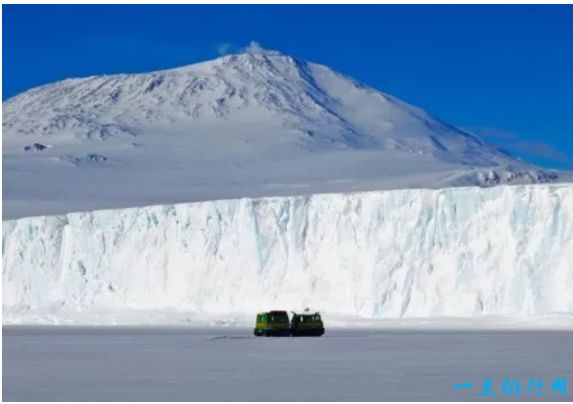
[(229, 364), (505, 251)]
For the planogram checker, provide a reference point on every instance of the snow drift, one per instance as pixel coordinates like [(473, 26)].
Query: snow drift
[(467, 252)]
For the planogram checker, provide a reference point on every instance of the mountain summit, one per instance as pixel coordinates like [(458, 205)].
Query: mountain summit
[(258, 123)]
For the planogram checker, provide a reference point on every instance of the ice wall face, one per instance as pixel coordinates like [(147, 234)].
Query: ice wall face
[(409, 253)]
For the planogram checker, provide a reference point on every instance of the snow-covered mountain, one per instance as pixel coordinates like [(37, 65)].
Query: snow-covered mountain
[(258, 123)]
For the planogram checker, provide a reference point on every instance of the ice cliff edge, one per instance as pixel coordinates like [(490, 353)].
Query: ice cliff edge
[(466, 252)]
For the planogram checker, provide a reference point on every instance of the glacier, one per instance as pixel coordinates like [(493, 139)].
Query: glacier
[(412, 253)]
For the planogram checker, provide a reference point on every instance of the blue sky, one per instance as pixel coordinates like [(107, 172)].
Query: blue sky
[(504, 72)]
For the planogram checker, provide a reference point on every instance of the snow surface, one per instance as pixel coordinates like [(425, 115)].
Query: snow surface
[(458, 252), (155, 364), (253, 124)]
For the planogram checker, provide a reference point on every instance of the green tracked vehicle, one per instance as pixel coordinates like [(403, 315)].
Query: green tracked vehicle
[(276, 324), (272, 324), (307, 325)]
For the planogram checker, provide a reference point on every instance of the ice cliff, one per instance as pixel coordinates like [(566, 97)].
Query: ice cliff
[(467, 252)]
